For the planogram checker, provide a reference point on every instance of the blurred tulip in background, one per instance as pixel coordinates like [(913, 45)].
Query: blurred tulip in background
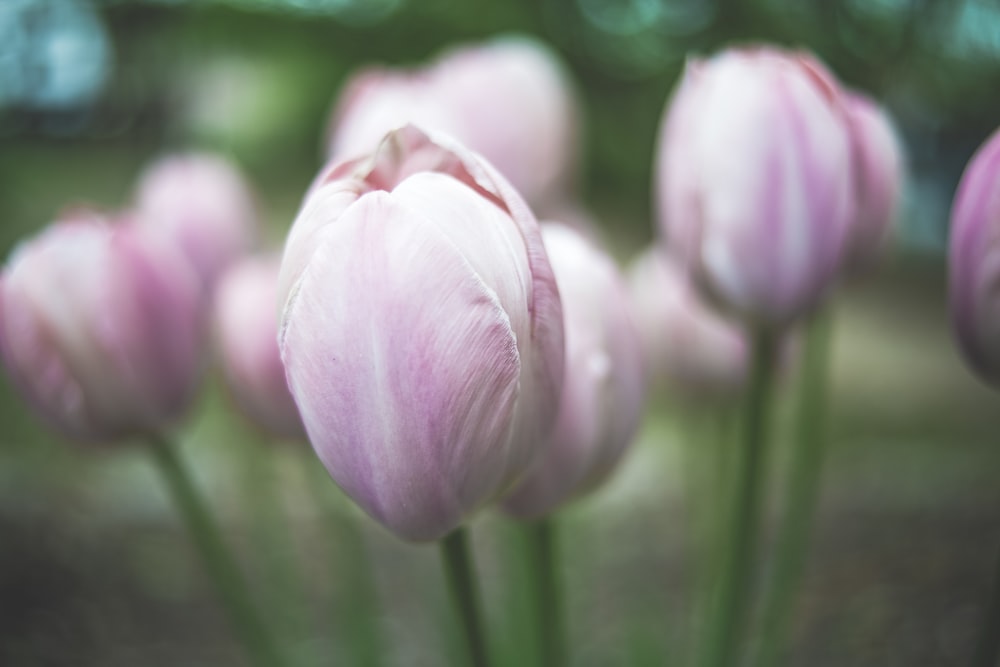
[(754, 181), (101, 328), (201, 203), (246, 328), (604, 388)]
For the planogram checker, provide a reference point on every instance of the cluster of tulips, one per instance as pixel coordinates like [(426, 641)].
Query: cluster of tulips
[(443, 351)]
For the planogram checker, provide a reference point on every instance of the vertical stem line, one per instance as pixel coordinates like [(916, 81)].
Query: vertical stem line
[(548, 592), (732, 598), (801, 491), (457, 560), (218, 560)]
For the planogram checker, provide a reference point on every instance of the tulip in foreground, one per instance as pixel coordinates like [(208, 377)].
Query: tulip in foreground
[(604, 388), (878, 167), (755, 182), (201, 203), (422, 331), (974, 262), (686, 345), (101, 328), (508, 99), (246, 327)]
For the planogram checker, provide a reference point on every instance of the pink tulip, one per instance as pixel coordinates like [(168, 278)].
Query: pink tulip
[(422, 331), (101, 329), (246, 326), (603, 392), (878, 163), (686, 345), (755, 181), (509, 99), (201, 203), (974, 262)]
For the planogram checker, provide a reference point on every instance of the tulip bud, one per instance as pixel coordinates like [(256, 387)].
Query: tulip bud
[(101, 329), (686, 345), (878, 167), (421, 332), (974, 262), (201, 203), (246, 326), (509, 99), (755, 181), (603, 391)]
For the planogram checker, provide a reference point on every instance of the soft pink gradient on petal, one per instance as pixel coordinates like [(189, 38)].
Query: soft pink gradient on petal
[(408, 400), (879, 167), (103, 329), (201, 203), (604, 391), (421, 331), (974, 262), (246, 331), (754, 181), (687, 346), (509, 99)]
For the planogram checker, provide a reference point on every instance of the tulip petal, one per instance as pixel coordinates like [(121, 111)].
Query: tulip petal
[(410, 406)]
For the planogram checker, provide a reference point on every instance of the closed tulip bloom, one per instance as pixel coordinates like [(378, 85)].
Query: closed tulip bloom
[(755, 182), (201, 203), (604, 390), (878, 165), (687, 346), (101, 329), (422, 331), (509, 99), (974, 262), (246, 328)]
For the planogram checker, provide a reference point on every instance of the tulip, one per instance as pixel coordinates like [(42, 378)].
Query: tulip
[(974, 262), (421, 332), (246, 326), (101, 329), (509, 99), (686, 344), (755, 182), (201, 203), (878, 164), (603, 391)]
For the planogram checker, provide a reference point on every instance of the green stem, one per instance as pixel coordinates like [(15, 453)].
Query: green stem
[(801, 492), (732, 598), (548, 592), (219, 561), (359, 608), (988, 647), (457, 560)]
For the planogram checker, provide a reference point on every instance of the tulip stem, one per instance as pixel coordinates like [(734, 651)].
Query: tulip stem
[(801, 491), (988, 646), (548, 592), (457, 559), (218, 560), (731, 601)]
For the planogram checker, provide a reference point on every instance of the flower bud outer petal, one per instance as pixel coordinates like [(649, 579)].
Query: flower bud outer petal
[(878, 161), (686, 345), (410, 406), (763, 209), (604, 391), (246, 329), (201, 203), (974, 262)]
